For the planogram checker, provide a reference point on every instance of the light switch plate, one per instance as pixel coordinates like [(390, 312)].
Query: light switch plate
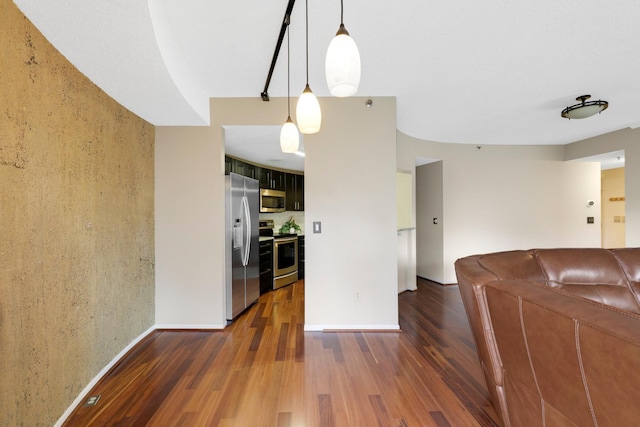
[(317, 227)]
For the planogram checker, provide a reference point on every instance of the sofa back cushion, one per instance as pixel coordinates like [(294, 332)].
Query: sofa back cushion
[(591, 273), (513, 265)]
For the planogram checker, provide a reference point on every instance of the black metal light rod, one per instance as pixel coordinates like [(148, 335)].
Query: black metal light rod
[(285, 22)]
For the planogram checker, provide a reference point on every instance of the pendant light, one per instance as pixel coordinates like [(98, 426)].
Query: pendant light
[(342, 63), (308, 113), (289, 138)]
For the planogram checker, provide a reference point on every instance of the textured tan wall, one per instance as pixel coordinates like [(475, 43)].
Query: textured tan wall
[(77, 223)]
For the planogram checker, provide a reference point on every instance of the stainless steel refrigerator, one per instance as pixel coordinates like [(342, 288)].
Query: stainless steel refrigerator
[(242, 247)]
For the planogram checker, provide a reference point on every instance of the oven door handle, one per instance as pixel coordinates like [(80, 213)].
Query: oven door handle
[(285, 239)]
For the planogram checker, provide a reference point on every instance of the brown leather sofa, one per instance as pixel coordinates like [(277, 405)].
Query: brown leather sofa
[(558, 334)]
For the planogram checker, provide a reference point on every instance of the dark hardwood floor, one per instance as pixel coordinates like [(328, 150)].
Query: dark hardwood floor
[(264, 370)]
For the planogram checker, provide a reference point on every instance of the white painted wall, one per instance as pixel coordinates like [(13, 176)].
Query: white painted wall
[(407, 277), (189, 195), (406, 232), (430, 238), (629, 141), (351, 270), (350, 186), (495, 205), (502, 197)]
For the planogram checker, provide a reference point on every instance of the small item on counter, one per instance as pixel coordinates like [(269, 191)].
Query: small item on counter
[(290, 227)]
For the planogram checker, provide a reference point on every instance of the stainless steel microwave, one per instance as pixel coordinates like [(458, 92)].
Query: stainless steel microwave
[(272, 200)]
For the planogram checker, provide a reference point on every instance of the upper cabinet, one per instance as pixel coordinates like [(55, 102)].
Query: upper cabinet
[(294, 192), (272, 179), (244, 168)]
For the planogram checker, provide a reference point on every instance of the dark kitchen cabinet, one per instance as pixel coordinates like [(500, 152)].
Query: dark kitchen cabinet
[(294, 192), (243, 168), (271, 179), (266, 266), (300, 257), (240, 167)]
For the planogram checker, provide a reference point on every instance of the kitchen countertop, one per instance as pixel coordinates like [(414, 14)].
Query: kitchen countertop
[(276, 236)]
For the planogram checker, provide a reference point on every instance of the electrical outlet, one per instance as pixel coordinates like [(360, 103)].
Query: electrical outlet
[(590, 220), (91, 401)]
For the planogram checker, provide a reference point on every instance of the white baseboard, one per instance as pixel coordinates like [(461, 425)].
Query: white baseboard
[(101, 374), (193, 326), (352, 328)]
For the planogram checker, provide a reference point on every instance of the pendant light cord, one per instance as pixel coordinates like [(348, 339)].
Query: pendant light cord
[(288, 70), (341, 12), (306, 11)]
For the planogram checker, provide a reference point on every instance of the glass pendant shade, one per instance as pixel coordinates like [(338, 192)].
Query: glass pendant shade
[(342, 65), (289, 138), (308, 113)]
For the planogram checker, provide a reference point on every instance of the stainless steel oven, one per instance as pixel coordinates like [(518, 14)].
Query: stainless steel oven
[(285, 261)]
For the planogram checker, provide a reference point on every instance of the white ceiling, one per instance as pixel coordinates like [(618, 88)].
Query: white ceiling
[(261, 144), (481, 72)]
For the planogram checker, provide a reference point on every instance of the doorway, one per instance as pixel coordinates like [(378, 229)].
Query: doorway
[(612, 206)]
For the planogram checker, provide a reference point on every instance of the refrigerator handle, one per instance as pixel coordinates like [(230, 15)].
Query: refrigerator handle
[(247, 225)]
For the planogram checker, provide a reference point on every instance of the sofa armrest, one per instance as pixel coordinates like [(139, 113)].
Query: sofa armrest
[(472, 278), (565, 358)]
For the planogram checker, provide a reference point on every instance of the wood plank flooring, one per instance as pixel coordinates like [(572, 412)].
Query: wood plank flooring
[(264, 370)]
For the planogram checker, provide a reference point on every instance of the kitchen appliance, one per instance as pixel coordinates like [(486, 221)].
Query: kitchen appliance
[(285, 255), (242, 273), (285, 260), (266, 265), (272, 200)]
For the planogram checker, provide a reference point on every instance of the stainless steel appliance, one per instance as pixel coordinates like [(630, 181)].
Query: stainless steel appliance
[(285, 260), (272, 200), (242, 273), (285, 255)]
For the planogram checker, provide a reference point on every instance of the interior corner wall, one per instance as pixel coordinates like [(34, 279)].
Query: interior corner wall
[(76, 208), (494, 205), (350, 167), (429, 240), (495, 196), (629, 141)]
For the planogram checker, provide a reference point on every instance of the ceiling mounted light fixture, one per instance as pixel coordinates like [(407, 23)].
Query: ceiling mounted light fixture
[(289, 138), (585, 108), (308, 113), (342, 63)]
